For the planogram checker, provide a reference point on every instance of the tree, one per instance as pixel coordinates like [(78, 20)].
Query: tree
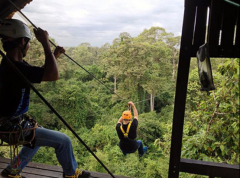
[(152, 35), (174, 44), (82, 55), (212, 131)]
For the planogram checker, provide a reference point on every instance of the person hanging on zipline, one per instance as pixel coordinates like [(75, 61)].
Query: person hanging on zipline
[(127, 132), (15, 95)]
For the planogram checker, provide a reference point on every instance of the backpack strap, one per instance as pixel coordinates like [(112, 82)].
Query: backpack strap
[(128, 128)]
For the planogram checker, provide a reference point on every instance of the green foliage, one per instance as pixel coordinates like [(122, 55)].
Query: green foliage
[(137, 69), (212, 131), (149, 127)]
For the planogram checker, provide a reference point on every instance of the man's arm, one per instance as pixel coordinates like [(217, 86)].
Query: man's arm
[(50, 66), (120, 120), (58, 51), (135, 112)]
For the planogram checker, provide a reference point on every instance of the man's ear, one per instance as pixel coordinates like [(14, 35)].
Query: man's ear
[(23, 42)]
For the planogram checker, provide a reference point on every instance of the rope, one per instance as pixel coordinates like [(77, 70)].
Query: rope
[(52, 109), (111, 90)]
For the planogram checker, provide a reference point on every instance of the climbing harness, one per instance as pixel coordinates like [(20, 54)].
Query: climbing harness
[(128, 128), (15, 133)]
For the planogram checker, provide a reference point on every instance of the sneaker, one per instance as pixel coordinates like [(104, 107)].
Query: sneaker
[(7, 174), (144, 151), (79, 174)]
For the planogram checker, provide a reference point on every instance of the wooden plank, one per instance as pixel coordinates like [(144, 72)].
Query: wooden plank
[(181, 88), (222, 51), (200, 24), (215, 22), (237, 40), (36, 170), (3, 165), (36, 165), (228, 24), (209, 168)]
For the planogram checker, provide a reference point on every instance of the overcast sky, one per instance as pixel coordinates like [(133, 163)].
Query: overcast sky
[(72, 22)]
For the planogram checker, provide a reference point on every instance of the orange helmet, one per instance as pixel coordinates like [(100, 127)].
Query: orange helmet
[(127, 115)]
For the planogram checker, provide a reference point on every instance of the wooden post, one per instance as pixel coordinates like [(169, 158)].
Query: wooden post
[(181, 88)]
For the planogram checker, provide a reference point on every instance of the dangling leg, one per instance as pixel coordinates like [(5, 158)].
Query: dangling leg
[(141, 149)]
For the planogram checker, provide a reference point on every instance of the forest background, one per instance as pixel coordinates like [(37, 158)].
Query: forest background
[(141, 69)]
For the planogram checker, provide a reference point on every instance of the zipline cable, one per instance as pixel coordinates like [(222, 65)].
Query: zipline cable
[(65, 53), (52, 109), (122, 99), (145, 100)]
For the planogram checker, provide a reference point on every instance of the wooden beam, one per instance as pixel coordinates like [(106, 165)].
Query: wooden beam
[(7, 10), (220, 51), (237, 40), (209, 168), (201, 22), (215, 22), (228, 24), (181, 88), (37, 170)]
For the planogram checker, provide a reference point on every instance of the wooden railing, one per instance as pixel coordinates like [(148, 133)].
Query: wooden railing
[(209, 168)]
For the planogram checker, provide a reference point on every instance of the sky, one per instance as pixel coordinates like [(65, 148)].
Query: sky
[(72, 22)]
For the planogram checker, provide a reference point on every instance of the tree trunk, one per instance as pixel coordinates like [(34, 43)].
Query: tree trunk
[(174, 69), (174, 65), (152, 102), (115, 83)]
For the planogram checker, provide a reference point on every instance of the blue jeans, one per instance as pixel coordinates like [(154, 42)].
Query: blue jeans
[(50, 138), (140, 149)]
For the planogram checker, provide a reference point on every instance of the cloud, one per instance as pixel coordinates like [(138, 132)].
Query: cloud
[(72, 22)]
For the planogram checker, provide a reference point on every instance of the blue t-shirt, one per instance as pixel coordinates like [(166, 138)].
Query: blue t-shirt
[(14, 92)]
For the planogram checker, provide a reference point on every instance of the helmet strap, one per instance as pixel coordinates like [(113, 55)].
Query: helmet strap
[(24, 47)]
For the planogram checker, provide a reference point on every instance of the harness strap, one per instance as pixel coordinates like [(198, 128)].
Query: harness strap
[(128, 128)]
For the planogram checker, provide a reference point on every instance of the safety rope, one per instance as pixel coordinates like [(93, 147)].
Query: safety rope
[(52, 109), (21, 135), (14, 156)]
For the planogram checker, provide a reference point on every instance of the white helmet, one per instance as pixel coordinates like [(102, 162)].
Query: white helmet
[(14, 28)]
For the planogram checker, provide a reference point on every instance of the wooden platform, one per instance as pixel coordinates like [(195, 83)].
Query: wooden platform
[(36, 170)]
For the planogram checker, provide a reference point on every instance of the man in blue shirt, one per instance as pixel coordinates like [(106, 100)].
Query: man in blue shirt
[(15, 95)]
